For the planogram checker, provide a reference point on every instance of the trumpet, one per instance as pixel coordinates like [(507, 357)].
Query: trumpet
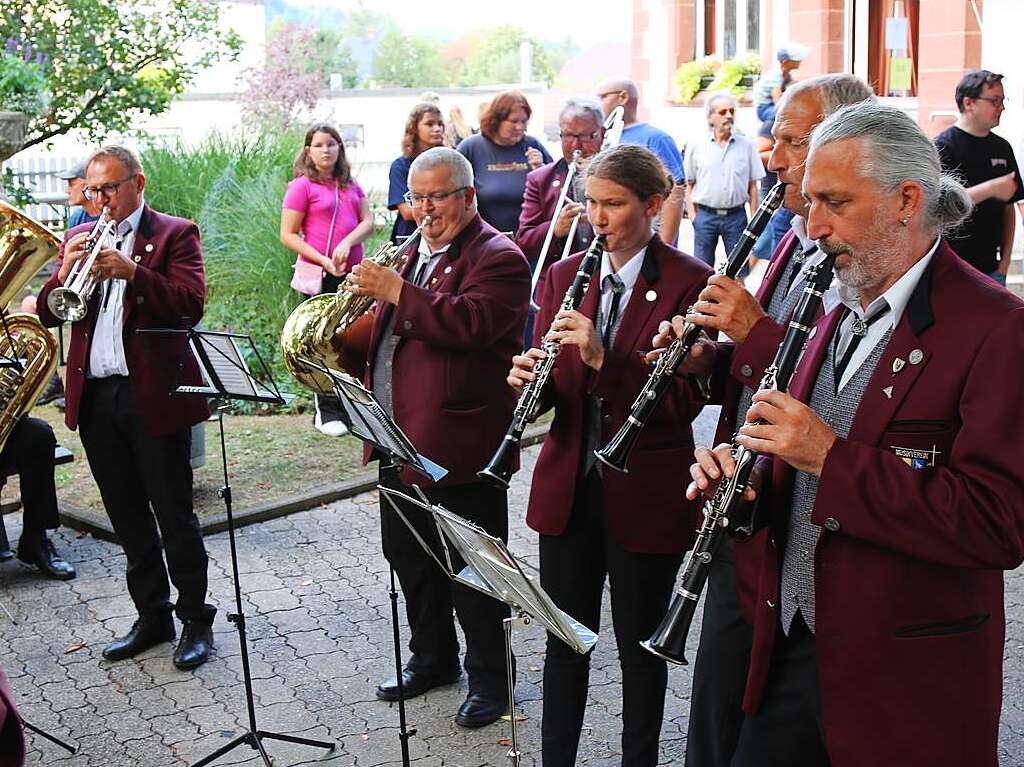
[(71, 302)]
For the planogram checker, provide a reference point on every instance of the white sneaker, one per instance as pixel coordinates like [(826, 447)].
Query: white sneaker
[(333, 428)]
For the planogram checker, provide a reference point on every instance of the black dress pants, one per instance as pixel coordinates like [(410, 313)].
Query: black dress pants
[(786, 731), (146, 481), (29, 451), (720, 670), (430, 596), (573, 568)]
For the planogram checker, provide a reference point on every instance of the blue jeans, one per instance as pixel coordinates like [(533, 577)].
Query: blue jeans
[(709, 226)]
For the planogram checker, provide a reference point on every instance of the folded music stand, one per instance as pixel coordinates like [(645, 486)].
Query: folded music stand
[(5, 361), (371, 423), (226, 376), (493, 570)]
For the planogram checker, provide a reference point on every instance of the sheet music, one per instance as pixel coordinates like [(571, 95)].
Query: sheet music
[(229, 366)]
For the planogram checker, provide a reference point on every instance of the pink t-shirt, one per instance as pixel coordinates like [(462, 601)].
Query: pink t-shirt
[(316, 200)]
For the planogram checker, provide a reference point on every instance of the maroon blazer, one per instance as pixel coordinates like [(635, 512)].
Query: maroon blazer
[(543, 187), (908, 568), (457, 335), (169, 292), (646, 508), (12, 739)]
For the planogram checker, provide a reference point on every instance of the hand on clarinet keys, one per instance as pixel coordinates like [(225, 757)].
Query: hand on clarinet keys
[(708, 470), (790, 430), (726, 305), (522, 368), (700, 361)]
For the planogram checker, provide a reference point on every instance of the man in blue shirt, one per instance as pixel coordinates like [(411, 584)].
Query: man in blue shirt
[(620, 91), (85, 210), (770, 86)]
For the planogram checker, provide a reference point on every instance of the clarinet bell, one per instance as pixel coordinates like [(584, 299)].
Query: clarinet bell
[(499, 471), (669, 640)]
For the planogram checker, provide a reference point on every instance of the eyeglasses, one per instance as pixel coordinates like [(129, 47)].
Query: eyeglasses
[(724, 112), (566, 136), (107, 190), (996, 101), (417, 200)]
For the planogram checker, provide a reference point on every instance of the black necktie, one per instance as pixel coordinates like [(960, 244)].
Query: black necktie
[(618, 288), (799, 256), (858, 329), (421, 270)]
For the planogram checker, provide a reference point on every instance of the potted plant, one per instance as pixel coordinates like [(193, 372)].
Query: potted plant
[(738, 74), (23, 93), (694, 76)]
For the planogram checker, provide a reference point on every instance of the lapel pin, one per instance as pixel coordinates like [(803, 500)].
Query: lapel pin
[(812, 334), (651, 295), (149, 247), (915, 357), (447, 269), (897, 365), (888, 392), (556, 182), (138, 258), (433, 280)]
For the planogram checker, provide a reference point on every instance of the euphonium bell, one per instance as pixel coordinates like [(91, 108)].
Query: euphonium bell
[(333, 329)]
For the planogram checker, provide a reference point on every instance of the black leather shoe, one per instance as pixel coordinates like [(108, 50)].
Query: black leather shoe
[(143, 635), (43, 555), (414, 683), (194, 648), (478, 711)]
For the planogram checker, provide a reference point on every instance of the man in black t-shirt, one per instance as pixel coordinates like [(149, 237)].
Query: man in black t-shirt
[(986, 163)]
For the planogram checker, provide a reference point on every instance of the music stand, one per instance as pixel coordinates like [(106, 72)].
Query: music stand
[(226, 377), (370, 423), (493, 570), (6, 361)]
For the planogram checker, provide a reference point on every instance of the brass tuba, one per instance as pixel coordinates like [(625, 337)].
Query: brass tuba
[(333, 329), (25, 246)]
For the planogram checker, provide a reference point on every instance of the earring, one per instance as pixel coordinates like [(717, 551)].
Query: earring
[(905, 221)]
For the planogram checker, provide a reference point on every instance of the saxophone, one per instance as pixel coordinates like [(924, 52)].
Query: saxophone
[(25, 246), (333, 329)]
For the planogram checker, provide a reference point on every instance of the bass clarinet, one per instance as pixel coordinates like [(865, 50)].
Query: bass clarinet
[(669, 641), (499, 470), (616, 453)]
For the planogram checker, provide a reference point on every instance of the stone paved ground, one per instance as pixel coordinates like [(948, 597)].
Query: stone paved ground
[(318, 618)]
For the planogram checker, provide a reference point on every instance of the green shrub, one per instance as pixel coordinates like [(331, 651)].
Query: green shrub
[(232, 188), (688, 77), (730, 76), (23, 86)]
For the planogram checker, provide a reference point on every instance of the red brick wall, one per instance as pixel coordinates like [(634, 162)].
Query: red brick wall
[(817, 24), (950, 44)]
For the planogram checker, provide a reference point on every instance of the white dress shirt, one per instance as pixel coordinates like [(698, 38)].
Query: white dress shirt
[(106, 355), (629, 273)]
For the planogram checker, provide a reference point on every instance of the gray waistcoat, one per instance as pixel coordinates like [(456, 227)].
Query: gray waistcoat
[(779, 308), (837, 410)]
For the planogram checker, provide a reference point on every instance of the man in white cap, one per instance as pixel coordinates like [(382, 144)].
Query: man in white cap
[(770, 86)]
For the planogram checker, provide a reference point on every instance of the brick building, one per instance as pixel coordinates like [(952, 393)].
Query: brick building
[(942, 39)]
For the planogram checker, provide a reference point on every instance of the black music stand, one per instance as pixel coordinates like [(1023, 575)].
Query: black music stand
[(6, 361), (226, 377), (370, 423), (493, 570)]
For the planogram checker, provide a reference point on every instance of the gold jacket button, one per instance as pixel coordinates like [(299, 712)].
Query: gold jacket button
[(138, 258)]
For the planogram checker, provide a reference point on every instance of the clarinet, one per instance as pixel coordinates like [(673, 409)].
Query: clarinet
[(499, 470), (669, 640), (616, 453)]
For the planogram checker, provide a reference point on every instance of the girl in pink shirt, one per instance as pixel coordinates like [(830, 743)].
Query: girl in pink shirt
[(325, 216), (324, 219)]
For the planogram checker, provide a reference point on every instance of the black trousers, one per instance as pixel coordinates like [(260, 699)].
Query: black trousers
[(720, 670), (146, 481), (786, 731), (29, 451), (573, 568), (430, 596)]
